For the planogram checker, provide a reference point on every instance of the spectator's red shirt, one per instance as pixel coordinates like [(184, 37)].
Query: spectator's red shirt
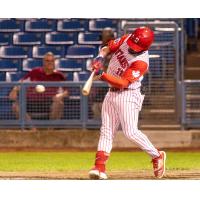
[(38, 74)]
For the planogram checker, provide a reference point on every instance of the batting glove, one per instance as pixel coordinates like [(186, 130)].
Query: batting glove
[(97, 63), (99, 72)]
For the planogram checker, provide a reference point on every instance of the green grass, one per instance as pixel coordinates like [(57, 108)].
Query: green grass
[(62, 161)]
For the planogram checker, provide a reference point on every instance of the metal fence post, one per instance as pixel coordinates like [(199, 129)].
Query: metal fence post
[(84, 108), (183, 105), (22, 105), (178, 100)]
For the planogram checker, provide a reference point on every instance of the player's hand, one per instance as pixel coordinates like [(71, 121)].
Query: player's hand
[(97, 63), (99, 72)]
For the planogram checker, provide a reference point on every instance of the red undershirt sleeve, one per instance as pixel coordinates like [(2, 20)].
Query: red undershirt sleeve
[(133, 73), (114, 81)]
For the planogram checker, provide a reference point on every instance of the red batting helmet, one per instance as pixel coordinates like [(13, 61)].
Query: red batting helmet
[(141, 39)]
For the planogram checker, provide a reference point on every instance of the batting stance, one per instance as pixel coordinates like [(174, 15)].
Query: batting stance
[(123, 102)]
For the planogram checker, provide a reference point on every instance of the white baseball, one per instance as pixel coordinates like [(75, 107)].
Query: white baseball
[(40, 88)]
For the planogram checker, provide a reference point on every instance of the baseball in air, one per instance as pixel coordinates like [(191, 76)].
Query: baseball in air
[(40, 88)]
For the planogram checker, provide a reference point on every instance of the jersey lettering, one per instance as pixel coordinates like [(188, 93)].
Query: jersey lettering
[(121, 58)]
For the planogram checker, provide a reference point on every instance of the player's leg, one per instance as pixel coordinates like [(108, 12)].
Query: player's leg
[(129, 119), (110, 123)]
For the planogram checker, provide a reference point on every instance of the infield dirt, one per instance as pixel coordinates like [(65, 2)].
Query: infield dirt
[(114, 175)]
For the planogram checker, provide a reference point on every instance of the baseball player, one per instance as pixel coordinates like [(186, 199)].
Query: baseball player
[(123, 102)]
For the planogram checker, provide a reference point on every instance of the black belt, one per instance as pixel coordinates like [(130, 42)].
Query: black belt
[(117, 89), (112, 89)]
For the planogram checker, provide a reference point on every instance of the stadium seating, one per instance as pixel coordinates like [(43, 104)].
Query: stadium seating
[(66, 64), (163, 36), (100, 24), (89, 38), (22, 38), (70, 26), (2, 76), (5, 39), (59, 38), (129, 21), (13, 52), (14, 76), (30, 63), (81, 51), (39, 25), (69, 76), (9, 65), (40, 51), (88, 64), (74, 41), (9, 25), (83, 76), (191, 27)]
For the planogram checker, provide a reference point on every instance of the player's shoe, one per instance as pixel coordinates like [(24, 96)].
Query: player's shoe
[(96, 174), (159, 165)]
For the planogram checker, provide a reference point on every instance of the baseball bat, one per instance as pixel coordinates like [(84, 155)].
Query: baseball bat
[(88, 84)]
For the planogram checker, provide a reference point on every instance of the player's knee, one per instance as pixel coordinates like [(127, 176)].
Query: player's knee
[(131, 134)]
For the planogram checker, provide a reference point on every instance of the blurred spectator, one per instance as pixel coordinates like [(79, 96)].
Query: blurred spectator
[(98, 94), (107, 35), (52, 100)]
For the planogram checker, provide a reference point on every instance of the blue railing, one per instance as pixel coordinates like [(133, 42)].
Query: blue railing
[(77, 111)]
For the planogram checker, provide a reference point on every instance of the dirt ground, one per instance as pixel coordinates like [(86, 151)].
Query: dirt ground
[(114, 175)]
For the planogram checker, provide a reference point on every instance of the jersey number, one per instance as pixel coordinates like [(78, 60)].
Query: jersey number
[(119, 71)]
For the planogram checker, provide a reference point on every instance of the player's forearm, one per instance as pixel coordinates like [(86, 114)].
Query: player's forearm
[(114, 81)]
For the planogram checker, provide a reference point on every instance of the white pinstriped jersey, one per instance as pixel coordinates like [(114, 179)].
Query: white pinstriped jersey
[(121, 60)]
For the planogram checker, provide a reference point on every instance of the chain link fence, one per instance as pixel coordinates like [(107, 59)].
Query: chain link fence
[(191, 105), (29, 108), (160, 104)]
